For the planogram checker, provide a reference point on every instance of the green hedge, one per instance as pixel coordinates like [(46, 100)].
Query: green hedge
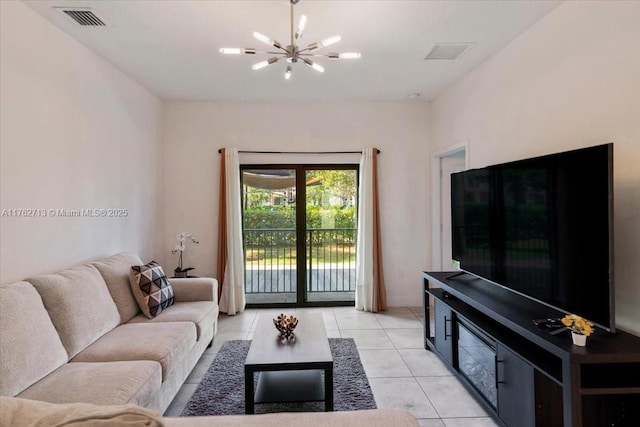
[(284, 217), (269, 217)]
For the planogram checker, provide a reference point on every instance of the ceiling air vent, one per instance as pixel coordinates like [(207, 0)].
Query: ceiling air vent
[(84, 17), (448, 51)]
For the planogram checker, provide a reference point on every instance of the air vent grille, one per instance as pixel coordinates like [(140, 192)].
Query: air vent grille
[(84, 17), (447, 51)]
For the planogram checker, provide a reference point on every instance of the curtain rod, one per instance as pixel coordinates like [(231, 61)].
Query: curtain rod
[(299, 152)]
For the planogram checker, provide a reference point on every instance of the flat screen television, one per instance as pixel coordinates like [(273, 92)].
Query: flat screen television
[(543, 228)]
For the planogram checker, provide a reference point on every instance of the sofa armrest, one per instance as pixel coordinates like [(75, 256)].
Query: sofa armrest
[(195, 289), (19, 412), (362, 418)]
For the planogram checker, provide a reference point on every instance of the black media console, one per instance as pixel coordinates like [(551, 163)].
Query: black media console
[(528, 375)]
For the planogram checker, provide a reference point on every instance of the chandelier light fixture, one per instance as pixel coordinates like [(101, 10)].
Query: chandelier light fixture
[(292, 53)]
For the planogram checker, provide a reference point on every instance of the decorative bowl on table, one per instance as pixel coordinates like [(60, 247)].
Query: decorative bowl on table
[(285, 326)]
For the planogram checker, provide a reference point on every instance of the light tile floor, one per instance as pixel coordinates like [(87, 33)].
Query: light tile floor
[(401, 372)]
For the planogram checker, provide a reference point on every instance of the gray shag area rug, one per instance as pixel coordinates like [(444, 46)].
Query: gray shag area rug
[(221, 391)]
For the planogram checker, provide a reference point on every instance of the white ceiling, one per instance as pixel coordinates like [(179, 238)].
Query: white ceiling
[(172, 47)]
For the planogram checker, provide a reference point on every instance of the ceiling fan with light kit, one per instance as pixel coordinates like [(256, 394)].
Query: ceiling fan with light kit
[(292, 53)]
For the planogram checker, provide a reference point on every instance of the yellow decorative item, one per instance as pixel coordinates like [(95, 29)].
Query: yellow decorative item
[(580, 328), (285, 326)]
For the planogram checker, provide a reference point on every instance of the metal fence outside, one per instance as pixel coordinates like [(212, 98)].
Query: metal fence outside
[(270, 260)]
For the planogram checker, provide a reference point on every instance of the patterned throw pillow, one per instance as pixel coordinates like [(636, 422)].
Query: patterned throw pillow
[(151, 288)]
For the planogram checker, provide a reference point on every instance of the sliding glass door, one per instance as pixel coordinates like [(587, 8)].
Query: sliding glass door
[(299, 229)]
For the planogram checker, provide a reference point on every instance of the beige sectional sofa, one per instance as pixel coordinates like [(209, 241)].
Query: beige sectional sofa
[(78, 335), (75, 349), (17, 412)]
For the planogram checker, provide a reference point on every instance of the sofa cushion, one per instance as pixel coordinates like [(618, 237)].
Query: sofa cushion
[(115, 272), (17, 412), (112, 383), (151, 288), (195, 289), (202, 313), (165, 343), (30, 347), (79, 305)]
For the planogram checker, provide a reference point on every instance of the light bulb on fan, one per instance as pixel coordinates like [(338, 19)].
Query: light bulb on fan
[(344, 55), (264, 63), (301, 25), (266, 40), (237, 50)]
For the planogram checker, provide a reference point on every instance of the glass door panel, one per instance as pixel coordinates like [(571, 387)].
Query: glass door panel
[(330, 234), (270, 239)]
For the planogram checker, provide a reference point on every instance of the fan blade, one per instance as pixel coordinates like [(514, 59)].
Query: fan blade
[(237, 51), (267, 40), (264, 63), (313, 65)]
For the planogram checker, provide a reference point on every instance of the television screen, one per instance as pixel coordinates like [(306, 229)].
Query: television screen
[(541, 227)]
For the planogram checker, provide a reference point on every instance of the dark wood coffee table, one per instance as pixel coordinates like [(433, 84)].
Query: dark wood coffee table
[(289, 371)]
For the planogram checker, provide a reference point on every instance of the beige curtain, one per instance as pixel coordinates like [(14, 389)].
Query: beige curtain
[(370, 290), (230, 273)]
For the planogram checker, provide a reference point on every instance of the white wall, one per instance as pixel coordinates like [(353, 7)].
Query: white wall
[(74, 133), (194, 132), (570, 81)]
